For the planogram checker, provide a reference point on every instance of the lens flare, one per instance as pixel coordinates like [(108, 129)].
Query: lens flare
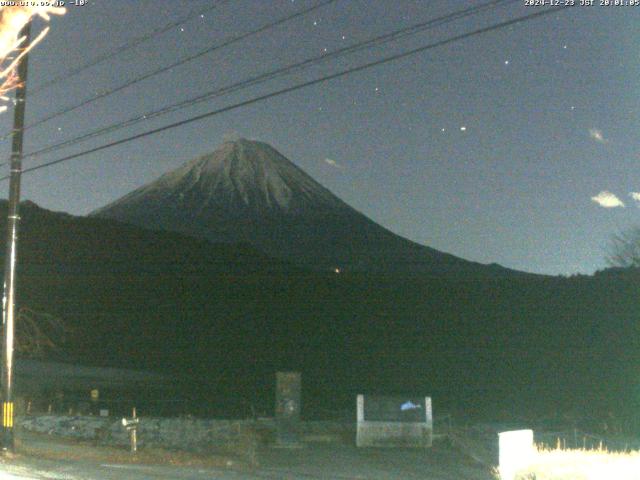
[(12, 20)]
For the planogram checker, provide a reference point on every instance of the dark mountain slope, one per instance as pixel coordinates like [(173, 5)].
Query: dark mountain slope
[(51, 241)]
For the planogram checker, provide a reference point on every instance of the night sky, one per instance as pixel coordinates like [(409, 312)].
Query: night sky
[(519, 146)]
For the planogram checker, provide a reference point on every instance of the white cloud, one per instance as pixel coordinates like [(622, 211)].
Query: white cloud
[(607, 200), (597, 135), (635, 196), (332, 162)]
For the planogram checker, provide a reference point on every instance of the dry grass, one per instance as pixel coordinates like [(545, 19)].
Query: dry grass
[(600, 464)]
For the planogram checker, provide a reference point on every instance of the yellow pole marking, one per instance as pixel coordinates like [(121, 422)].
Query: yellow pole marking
[(7, 414)]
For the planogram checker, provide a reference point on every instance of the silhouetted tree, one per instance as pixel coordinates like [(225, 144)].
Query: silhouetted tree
[(625, 249)]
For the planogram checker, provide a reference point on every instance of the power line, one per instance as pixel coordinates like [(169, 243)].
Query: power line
[(180, 62), (123, 48), (299, 86), (376, 41)]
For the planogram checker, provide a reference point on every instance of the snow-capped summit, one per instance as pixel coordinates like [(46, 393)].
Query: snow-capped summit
[(241, 176), (247, 192)]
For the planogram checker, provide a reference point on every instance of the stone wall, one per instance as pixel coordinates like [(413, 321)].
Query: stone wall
[(197, 435)]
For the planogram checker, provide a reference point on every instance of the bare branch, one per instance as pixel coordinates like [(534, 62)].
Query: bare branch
[(625, 249), (39, 332)]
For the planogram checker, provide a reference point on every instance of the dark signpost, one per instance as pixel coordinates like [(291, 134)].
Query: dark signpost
[(288, 409)]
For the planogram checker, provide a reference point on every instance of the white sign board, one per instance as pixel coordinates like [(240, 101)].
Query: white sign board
[(394, 421)]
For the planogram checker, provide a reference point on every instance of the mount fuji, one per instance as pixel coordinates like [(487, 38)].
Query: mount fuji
[(247, 192)]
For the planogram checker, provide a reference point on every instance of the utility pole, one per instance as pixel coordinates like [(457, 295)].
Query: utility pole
[(11, 255)]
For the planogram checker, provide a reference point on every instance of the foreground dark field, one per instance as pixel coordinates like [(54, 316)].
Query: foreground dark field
[(549, 347)]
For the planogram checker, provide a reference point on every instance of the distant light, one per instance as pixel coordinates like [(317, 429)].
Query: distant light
[(463, 129), (442, 129), (337, 270)]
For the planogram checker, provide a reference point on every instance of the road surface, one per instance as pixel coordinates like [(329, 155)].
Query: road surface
[(48, 459)]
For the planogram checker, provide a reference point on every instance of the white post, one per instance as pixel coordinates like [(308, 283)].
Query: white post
[(360, 420), (134, 433), (516, 452)]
